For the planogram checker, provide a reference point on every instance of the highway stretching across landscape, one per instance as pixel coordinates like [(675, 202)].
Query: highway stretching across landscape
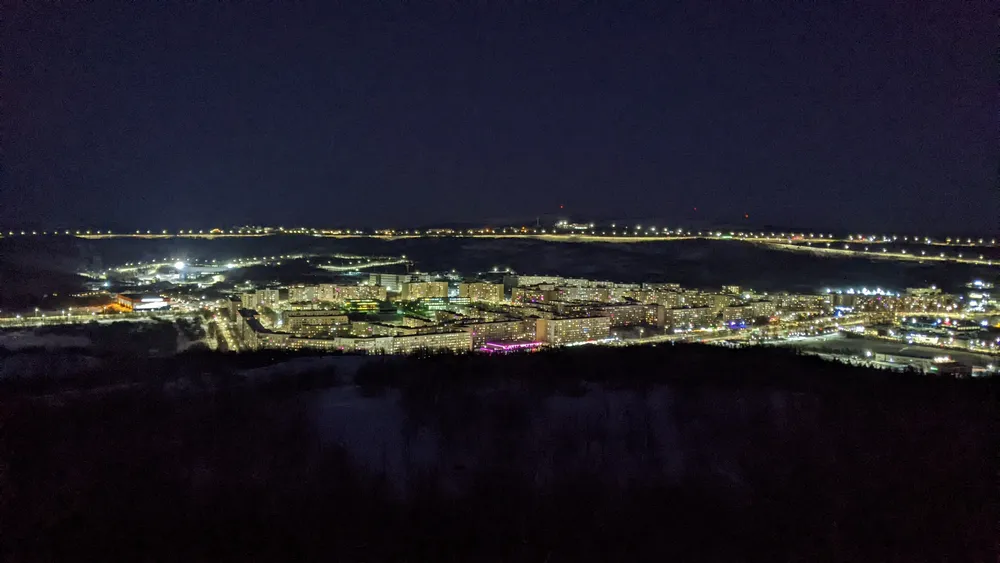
[(956, 250)]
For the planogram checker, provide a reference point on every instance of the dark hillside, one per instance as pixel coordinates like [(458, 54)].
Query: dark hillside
[(687, 452)]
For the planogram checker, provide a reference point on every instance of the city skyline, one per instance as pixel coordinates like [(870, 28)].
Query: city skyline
[(867, 117), (519, 281), (360, 309)]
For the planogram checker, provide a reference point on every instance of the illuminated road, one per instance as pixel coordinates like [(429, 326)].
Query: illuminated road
[(49, 319), (368, 264), (227, 335), (882, 255), (965, 252), (778, 330), (205, 266), (148, 268), (210, 341), (782, 332)]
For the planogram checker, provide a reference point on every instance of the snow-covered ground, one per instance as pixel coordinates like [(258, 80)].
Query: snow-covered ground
[(345, 367), (19, 340), (29, 365), (627, 437)]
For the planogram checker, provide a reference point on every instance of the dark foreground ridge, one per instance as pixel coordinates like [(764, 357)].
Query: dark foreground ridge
[(599, 454)]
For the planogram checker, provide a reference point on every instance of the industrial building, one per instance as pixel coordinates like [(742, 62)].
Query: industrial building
[(137, 303), (392, 282)]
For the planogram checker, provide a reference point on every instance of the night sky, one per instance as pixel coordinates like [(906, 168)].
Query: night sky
[(869, 115)]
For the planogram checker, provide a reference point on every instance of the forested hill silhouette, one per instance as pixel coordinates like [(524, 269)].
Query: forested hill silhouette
[(594, 454)]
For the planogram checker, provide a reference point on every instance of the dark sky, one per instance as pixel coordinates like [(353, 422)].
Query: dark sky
[(876, 115)]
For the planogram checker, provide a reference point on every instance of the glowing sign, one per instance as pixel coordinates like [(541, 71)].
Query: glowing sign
[(498, 347)]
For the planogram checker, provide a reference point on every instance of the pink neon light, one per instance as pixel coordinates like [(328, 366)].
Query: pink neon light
[(493, 346)]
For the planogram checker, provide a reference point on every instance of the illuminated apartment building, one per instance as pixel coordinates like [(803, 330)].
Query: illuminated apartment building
[(234, 304), (531, 295), (434, 342), (250, 300), (424, 290), (719, 301), (762, 308), (571, 330), (437, 341), (737, 313), (669, 298), (625, 292), (481, 291), (301, 293), (689, 317), (254, 336), (627, 314), (501, 331), (326, 292), (268, 297), (339, 293), (525, 281), (583, 293), (259, 298), (306, 321), (361, 305)]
